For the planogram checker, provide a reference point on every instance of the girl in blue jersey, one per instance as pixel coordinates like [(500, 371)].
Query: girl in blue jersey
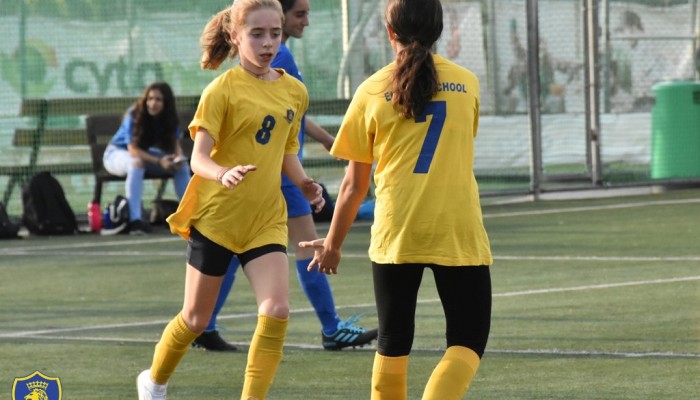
[(244, 133), (336, 334), (147, 140), (417, 119)]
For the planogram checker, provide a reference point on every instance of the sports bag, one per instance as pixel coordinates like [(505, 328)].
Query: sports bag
[(161, 210), (326, 213), (8, 229), (116, 217), (45, 208)]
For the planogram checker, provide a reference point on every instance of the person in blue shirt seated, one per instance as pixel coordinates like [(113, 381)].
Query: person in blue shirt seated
[(148, 140)]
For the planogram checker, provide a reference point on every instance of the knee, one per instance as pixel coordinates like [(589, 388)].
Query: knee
[(274, 308), (394, 345), (136, 164), (195, 321)]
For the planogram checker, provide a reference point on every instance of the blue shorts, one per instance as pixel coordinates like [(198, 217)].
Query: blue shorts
[(297, 205)]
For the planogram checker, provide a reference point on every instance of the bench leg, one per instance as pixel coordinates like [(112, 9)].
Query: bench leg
[(8, 191), (97, 192), (161, 188)]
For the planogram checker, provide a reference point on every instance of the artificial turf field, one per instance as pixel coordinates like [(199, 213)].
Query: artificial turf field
[(593, 299)]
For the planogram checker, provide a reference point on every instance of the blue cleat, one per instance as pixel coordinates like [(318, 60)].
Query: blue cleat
[(348, 335)]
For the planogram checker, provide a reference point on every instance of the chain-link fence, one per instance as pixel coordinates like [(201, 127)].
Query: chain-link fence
[(76, 49)]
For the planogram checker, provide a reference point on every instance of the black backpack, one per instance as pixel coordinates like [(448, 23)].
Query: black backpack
[(45, 208), (326, 213), (8, 229)]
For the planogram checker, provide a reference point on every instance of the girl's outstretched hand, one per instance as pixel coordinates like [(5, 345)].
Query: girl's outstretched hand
[(325, 259), (313, 193)]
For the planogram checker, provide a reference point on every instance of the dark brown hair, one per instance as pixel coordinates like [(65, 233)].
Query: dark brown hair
[(417, 25), (287, 5), (156, 130)]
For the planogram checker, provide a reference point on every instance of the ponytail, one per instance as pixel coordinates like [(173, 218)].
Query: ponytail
[(414, 80), (216, 41), (417, 25)]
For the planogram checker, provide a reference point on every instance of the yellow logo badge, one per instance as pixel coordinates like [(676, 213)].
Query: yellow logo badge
[(37, 386)]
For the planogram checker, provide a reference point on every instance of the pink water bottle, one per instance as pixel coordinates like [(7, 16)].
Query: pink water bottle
[(95, 217)]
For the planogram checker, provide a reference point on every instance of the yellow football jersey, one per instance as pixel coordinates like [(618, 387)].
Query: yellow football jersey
[(252, 122), (427, 201)]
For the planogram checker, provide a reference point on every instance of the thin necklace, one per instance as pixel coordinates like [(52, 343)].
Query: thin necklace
[(259, 76)]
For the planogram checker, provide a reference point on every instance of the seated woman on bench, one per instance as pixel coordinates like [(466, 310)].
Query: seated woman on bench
[(148, 140)]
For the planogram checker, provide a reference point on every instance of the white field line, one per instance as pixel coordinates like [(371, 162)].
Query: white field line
[(180, 254), (52, 333), (119, 253), (372, 348), (62, 248), (597, 287), (598, 258), (303, 346), (366, 305), (595, 353), (592, 208), (36, 333)]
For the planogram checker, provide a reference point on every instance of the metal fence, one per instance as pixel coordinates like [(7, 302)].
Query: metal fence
[(566, 85)]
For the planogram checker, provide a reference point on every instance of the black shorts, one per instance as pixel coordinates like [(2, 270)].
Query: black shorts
[(213, 259)]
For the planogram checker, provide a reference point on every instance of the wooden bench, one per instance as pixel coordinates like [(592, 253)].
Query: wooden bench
[(100, 128), (68, 132), (74, 113)]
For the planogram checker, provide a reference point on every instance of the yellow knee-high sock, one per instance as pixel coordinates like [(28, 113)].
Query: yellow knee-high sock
[(453, 374), (389, 376), (264, 356), (173, 344)]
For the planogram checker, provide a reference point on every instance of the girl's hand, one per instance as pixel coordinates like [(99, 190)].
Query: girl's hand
[(233, 176), (313, 193), (326, 259)]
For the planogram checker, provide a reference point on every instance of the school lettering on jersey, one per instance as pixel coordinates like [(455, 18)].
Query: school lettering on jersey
[(452, 87), (427, 201)]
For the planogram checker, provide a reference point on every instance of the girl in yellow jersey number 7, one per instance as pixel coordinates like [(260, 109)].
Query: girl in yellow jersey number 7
[(417, 119)]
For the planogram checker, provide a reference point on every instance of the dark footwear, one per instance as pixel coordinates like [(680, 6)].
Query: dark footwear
[(138, 227), (212, 341), (348, 335)]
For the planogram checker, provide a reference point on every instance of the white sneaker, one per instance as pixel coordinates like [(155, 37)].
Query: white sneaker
[(149, 390)]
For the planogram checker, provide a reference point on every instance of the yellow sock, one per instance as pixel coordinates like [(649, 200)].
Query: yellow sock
[(173, 344), (264, 356), (389, 375), (453, 374)]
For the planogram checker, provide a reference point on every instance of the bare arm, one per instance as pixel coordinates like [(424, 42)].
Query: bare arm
[(352, 192), (204, 166), (319, 134), (167, 162), (291, 166), (178, 149)]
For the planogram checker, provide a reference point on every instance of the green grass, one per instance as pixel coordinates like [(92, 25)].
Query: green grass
[(593, 299)]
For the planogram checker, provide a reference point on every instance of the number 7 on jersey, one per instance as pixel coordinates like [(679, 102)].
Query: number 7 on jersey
[(438, 110)]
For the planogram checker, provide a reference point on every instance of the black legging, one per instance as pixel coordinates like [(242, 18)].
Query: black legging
[(465, 293)]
